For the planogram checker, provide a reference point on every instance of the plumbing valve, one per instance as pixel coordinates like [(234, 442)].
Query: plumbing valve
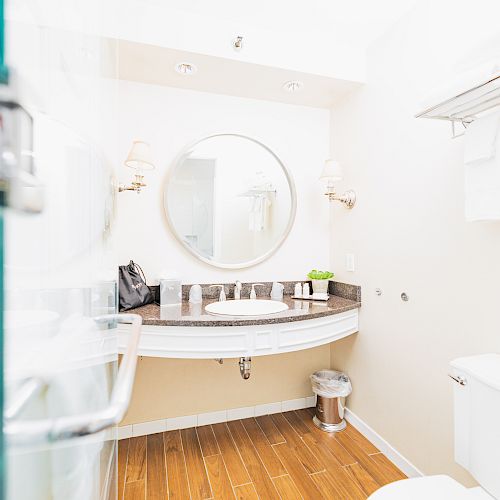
[(245, 367)]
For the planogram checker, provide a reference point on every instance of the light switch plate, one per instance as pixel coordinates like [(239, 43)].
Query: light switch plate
[(349, 262)]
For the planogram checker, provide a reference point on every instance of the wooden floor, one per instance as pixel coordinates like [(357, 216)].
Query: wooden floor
[(274, 456)]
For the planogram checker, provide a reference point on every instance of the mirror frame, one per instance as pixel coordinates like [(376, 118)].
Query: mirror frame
[(239, 265)]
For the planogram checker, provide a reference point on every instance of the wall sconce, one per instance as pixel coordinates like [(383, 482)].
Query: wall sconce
[(139, 158), (332, 173)]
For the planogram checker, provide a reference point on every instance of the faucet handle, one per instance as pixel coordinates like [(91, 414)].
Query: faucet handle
[(237, 289), (253, 295), (222, 295)]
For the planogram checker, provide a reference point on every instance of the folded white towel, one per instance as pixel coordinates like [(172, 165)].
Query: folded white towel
[(462, 81), (480, 139), (482, 188)]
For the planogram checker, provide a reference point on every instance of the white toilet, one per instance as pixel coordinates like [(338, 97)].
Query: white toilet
[(477, 437)]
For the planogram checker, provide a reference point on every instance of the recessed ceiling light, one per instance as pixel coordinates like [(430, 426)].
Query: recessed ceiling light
[(292, 85), (185, 68)]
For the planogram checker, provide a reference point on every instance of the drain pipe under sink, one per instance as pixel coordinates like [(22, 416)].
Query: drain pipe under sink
[(245, 367)]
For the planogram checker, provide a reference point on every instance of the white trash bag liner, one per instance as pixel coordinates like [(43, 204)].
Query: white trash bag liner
[(331, 384)]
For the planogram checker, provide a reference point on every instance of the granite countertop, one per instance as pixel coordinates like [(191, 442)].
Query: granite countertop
[(187, 314)]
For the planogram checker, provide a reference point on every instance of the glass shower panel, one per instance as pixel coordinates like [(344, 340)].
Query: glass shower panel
[(59, 362)]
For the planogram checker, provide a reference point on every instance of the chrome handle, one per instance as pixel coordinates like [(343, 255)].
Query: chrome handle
[(31, 432), (22, 190), (458, 379)]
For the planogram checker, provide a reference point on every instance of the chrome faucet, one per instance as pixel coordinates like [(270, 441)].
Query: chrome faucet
[(237, 290), (222, 295)]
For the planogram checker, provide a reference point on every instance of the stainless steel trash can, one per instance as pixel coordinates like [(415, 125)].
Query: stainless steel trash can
[(331, 388)]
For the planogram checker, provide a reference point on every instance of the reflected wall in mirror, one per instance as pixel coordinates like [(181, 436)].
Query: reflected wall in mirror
[(229, 200)]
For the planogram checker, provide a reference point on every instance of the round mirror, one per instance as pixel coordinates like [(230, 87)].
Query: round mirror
[(229, 200)]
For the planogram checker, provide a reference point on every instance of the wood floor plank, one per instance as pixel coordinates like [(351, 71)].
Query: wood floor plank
[(342, 455), (366, 461), (391, 472), (314, 442), (294, 420), (177, 480), (332, 485), (344, 483), (122, 465), (271, 432), (326, 486), (136, 463), (258, 473), (308, 459), (219, 479), (156, 484), (286, 488), (246, 492), (361, 441), (237, 459), (235, 467), (207, 439), (135, 490), (362, 478), (266, 453), (297, 472), (197, 474)]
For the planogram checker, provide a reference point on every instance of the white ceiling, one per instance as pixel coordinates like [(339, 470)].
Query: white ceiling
[(358, 22), (320, 42), (156, 65)]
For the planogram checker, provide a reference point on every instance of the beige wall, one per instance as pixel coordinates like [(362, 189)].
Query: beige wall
[(408, 233), (174, 387)]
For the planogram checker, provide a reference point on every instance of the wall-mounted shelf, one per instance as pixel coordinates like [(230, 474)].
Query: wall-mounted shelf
[(465, 107)]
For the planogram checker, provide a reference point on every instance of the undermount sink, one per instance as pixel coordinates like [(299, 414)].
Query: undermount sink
[(248, 307)]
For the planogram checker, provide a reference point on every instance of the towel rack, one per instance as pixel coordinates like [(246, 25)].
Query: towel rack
[(257, 192), (464, 108)]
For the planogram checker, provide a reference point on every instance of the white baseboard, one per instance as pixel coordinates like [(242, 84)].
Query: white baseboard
[(391, 453), (215, 417)]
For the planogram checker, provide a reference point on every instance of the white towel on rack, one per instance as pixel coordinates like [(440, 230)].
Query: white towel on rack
[(257, 220), (480, 139), (462, 82), (482, 188)]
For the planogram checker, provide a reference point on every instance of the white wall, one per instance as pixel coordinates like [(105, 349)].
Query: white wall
[(169, 119), (172, 118), (408, 233)]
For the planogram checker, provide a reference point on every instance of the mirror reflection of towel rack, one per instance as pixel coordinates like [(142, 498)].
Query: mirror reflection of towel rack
[(257, 192), (465, 107)]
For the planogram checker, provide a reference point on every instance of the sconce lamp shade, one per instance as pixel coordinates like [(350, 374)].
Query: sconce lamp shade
[(332, 171), (139, 156)]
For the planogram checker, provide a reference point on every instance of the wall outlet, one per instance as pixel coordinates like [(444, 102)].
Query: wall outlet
[(349, 262)]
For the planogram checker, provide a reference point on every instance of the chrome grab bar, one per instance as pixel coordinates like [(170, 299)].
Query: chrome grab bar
[(33, 432)]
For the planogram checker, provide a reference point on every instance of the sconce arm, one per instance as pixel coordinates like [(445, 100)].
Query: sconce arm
[(348, 198)]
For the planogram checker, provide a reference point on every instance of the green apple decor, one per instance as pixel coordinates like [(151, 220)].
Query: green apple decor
[(320, 280)]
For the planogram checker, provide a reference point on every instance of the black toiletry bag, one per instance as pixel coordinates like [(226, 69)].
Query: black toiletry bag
[(133, 290)]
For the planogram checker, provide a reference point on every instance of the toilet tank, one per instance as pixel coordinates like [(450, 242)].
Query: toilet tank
[(477, 418)]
